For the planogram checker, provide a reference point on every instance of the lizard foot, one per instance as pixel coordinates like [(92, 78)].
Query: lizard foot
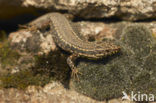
[(75, 73)]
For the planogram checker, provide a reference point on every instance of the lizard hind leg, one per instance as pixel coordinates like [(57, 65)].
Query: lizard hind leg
[(70, 61)]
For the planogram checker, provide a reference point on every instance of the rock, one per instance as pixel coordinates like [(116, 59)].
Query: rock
[(51, 93), (130, 70), (122, 9), (34, 42), (120, 101), (133, 37), (127, 9)]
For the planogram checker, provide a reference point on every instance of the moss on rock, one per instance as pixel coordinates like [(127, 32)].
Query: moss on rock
[(8, 57), (33, 70), (146, 81), (53, 65), (139, 40), (22, 79), (125, 72), (102, 79)]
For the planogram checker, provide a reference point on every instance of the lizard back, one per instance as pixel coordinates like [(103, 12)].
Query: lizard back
[(67, 39)]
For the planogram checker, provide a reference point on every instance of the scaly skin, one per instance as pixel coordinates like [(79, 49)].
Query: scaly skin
[(65, 37)]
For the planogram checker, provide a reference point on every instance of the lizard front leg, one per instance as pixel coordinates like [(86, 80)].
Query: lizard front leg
[(70, 61)]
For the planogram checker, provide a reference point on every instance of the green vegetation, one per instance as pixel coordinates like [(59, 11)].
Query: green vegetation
[(3, 36), (46, 68), (8, 57), (52, 65), (22, 79)]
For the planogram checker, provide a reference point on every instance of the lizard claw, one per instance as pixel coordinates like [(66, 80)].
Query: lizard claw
[(75, 73)]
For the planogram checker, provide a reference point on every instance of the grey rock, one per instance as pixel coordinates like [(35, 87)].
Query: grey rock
[(122, 9), (51, 93)]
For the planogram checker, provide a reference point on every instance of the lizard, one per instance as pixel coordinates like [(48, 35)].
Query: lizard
[(66, 38)]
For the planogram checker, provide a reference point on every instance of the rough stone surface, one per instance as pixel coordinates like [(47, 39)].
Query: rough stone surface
[(35, 42), (122, 9), (127, 71), (51, 93)]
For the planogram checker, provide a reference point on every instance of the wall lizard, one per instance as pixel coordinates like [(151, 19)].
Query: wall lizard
[(65, 37)]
